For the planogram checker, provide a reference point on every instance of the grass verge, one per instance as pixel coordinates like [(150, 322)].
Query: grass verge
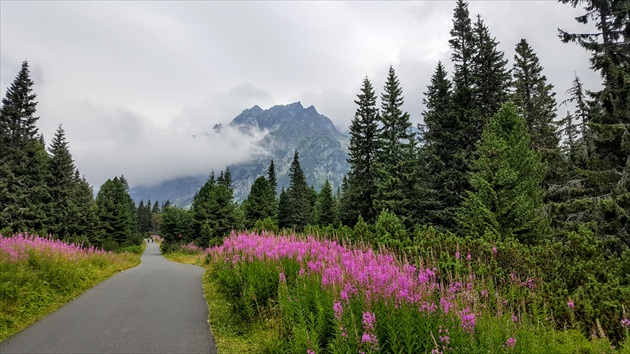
[(40, 283), (230, 335)]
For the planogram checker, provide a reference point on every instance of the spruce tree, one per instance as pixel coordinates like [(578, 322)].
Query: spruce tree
[(584, 145), (506, 179), (83, 219), (284, 211), (570, 144), (225, 216), (606, 178), (394, 158), (61, 184), (441, 171), (325, 211), (260, 202), (24, 197), (491, 78), (299, 196), (203, 204), (17, 115), (462, 43), (345, 204), (536, 103), (116, 213), (363, 149), (273, 184), (272, 179)]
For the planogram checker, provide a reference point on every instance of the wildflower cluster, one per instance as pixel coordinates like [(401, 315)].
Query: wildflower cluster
[(19, 247)]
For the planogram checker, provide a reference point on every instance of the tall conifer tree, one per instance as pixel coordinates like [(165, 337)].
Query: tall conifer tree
[(396, 152), (24, 197), (491, 78), (260, 202), (506, 181), (441, 170), (299, 196), (537, 105), (61, 184), (363, 149), (606, 201)]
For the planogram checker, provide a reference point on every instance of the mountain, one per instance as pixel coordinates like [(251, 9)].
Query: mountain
[(322, 147)]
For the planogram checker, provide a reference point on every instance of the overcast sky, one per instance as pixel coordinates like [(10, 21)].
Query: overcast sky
[(132, 82)]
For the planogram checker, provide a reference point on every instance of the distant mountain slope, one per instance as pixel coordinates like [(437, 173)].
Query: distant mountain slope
[(322, 148)]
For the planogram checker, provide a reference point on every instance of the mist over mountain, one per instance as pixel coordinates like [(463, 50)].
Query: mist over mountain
[(322, 148)]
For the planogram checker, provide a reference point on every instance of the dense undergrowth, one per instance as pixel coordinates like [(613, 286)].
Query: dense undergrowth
[(38, 275), (319, 296)]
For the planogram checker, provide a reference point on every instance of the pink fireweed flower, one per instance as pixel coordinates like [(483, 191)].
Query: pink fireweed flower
[(338, 310), (625, 323), (457, 255), (282, 278), (468, 257), (368, 320), (494, 250), (570, 304), (310, 351), (514, 318), (510, 343), (468, 320)]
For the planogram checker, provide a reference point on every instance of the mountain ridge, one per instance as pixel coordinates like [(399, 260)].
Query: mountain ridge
[(322, 148)]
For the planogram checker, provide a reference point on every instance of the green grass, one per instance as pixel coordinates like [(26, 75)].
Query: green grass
[(34, 288)]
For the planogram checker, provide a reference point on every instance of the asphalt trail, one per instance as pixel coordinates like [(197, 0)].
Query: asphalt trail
[(156, 307)]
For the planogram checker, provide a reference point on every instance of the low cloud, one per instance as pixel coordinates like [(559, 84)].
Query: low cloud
[(111, 142)]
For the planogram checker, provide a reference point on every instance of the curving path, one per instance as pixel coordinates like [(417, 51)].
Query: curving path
[(156, 307)]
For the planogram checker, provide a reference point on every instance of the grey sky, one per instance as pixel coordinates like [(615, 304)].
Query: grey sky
[(132, 82)]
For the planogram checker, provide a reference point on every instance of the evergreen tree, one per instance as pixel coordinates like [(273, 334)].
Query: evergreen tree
[(284, 210), (273, 184), (260, 202), (361, 184), (24, 197), (144, 217), (61, 184), (83, 219), (325, 211), (345, 204), (203, 204), (584, 145), (536, 103), (506, 180), (225, 216), (176, 225), (394, 158), (606, 178), (462, 43), (17, 115), (570, 132), (116, 213), (441, 171), (491, 78), (156, 208), (299, 196), (272, 179)]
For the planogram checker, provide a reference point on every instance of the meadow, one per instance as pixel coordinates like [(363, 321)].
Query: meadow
[(314, 295), (39, 275)]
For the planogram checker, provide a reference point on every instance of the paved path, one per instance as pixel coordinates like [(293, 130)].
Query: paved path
[(156, 307)]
